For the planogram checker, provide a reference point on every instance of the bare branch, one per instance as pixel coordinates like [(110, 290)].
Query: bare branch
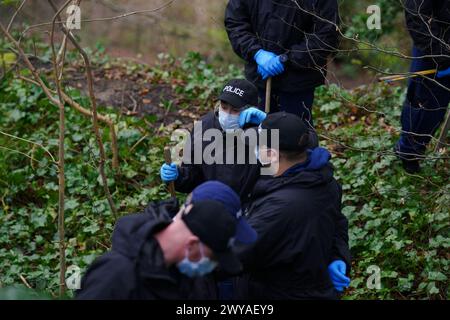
[(61, 178), (124, 15), (14, 15), (94, 109)]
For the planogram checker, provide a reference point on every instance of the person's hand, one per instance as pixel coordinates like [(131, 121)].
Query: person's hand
[(337, 270), (251, 115), (269, 64), (443, 73), (275, 67), (263, 57), (169, 172), (264, 74)]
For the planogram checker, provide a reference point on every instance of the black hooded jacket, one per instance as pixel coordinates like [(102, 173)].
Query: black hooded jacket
[(135, 269), (428, 23), (301, 230), (306, 31)]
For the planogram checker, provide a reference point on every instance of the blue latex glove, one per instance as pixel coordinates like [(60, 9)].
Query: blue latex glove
[(169, 172), (275, 66), (264, 74), (263, 58), (443, 73), (337, 270), (251, 115), (269, 64)]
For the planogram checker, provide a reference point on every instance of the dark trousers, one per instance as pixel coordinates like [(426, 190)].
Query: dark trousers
[(424, 109), (299, 103)]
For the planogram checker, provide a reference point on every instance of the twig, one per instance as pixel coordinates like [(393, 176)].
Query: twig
[(32, 142), (61, 57), (134, 102), (25, 281), (67, 99), (112, 131), (30, 66), (139, 142), (15, 14), (19, 152), (167, 4)]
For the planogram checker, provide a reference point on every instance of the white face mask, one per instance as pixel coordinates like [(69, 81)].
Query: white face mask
[(228, 121), (265, 160)]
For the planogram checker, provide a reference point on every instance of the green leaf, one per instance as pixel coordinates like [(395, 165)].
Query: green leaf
[(92, 228), (71, 204), (436, 276)]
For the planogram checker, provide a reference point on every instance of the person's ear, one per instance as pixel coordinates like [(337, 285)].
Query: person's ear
[(273, 155), (273, 163)]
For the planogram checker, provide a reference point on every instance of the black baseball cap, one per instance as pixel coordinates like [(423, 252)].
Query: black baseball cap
[(218, 191), (293, 131), (239, 93), (210, 221)]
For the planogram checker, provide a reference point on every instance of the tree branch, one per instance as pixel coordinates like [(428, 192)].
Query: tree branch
[(94, 109)]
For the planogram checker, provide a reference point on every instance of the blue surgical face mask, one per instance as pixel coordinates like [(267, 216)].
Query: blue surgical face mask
[(198, 268), (228, 121)]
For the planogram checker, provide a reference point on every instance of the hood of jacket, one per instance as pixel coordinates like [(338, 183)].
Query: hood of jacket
[(317, 170), (133, 231)]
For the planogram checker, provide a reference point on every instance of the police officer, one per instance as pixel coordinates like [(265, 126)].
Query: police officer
[(302, 247), (152, 255), (287, 40), (236, 110), (427, 97), (217, 286)]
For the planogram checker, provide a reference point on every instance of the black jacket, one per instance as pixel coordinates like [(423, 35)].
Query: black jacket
[(240, 177), (301, 230), (428, 23), (304, 30), (134, 268)]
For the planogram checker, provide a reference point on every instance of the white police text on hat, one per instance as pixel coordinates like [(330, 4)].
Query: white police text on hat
[(234, 90)]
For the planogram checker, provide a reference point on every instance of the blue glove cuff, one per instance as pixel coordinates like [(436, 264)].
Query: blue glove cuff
[(258, 53)]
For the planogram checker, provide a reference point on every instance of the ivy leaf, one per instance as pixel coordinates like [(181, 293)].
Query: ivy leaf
[(92, 228), (71, 204), (436, 276)]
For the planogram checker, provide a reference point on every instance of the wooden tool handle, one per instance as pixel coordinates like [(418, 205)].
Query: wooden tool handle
[(268, 94), (168, 159)]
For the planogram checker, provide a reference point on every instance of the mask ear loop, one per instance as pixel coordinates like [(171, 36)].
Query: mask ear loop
[(202, 252)]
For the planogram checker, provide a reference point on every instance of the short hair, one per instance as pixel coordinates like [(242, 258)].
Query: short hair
[(293, 156)]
